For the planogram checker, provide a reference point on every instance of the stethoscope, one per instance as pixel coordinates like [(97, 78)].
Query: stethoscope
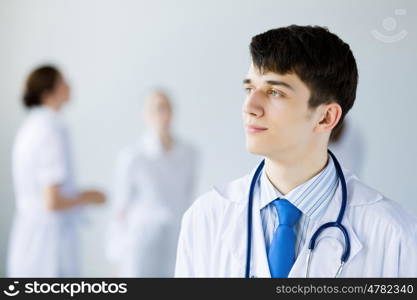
[(312, 244)]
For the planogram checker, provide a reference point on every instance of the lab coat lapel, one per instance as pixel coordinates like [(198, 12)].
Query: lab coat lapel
[(259, 258), (329, 245), (235, 237), (260, 267)]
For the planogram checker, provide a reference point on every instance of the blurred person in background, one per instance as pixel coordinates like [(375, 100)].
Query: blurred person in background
[(154, 185), (44, 236), (347, 142)]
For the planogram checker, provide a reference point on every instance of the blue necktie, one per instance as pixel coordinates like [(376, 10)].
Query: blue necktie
[(281, 255)]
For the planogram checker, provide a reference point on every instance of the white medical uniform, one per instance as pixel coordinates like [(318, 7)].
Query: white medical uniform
[(154, 188), (43, 243), (213, 238)]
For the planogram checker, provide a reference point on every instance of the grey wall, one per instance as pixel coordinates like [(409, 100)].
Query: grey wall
[(113, 51)]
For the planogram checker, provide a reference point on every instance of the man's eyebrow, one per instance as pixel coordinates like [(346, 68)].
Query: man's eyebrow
[(271, 82), (282, 83)]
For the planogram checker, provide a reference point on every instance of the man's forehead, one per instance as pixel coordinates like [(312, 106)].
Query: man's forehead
[(290, 80), (255, 74)]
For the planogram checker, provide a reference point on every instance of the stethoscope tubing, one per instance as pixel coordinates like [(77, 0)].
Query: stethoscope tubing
[(337, 223)]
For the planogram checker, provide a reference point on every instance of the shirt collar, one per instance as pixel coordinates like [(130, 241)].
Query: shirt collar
[(46, 112), (152, 144), (306, 195)]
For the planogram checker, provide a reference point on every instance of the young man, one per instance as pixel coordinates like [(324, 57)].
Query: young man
[(300, 85)]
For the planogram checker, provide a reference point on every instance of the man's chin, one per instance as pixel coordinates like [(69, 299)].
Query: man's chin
[(255, 149)]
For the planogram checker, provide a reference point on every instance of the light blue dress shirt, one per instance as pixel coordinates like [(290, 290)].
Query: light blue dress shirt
[(311, 198)]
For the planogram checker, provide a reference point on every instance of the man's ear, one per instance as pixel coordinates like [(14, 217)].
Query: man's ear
[(330, 117)]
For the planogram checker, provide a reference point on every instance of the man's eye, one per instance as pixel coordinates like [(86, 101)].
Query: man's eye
[(248, 90), (275, 93)]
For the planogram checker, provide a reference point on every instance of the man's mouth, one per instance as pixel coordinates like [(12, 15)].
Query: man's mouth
[(255, 129)]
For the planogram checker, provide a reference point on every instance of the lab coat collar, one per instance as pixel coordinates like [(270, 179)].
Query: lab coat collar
[(358, 194), (44, 108), (46, 111), (52, 117), (327, 261)]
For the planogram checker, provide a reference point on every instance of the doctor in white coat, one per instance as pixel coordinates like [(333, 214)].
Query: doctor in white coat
[(154, 186), (301, 84), (44, 239)]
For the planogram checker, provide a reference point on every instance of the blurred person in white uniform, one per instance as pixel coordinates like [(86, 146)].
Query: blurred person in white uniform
[(44, 239), (154, 185)]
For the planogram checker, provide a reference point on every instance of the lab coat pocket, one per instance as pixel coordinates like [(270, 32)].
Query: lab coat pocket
[(325, 259)]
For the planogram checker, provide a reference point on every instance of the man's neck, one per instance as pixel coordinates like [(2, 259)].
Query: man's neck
[(286, 173), (54, 105), (166, 141)]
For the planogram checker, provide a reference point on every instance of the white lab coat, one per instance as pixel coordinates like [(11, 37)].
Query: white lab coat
[(154, 189), (43, 243), (213, 236)]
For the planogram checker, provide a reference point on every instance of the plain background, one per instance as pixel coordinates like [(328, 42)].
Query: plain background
[(114, 51)]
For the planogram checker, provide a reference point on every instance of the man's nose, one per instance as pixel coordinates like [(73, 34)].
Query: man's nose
[(253, 104)]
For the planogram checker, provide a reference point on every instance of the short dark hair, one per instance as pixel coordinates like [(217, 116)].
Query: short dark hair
[(42, 79), (318, 57)]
